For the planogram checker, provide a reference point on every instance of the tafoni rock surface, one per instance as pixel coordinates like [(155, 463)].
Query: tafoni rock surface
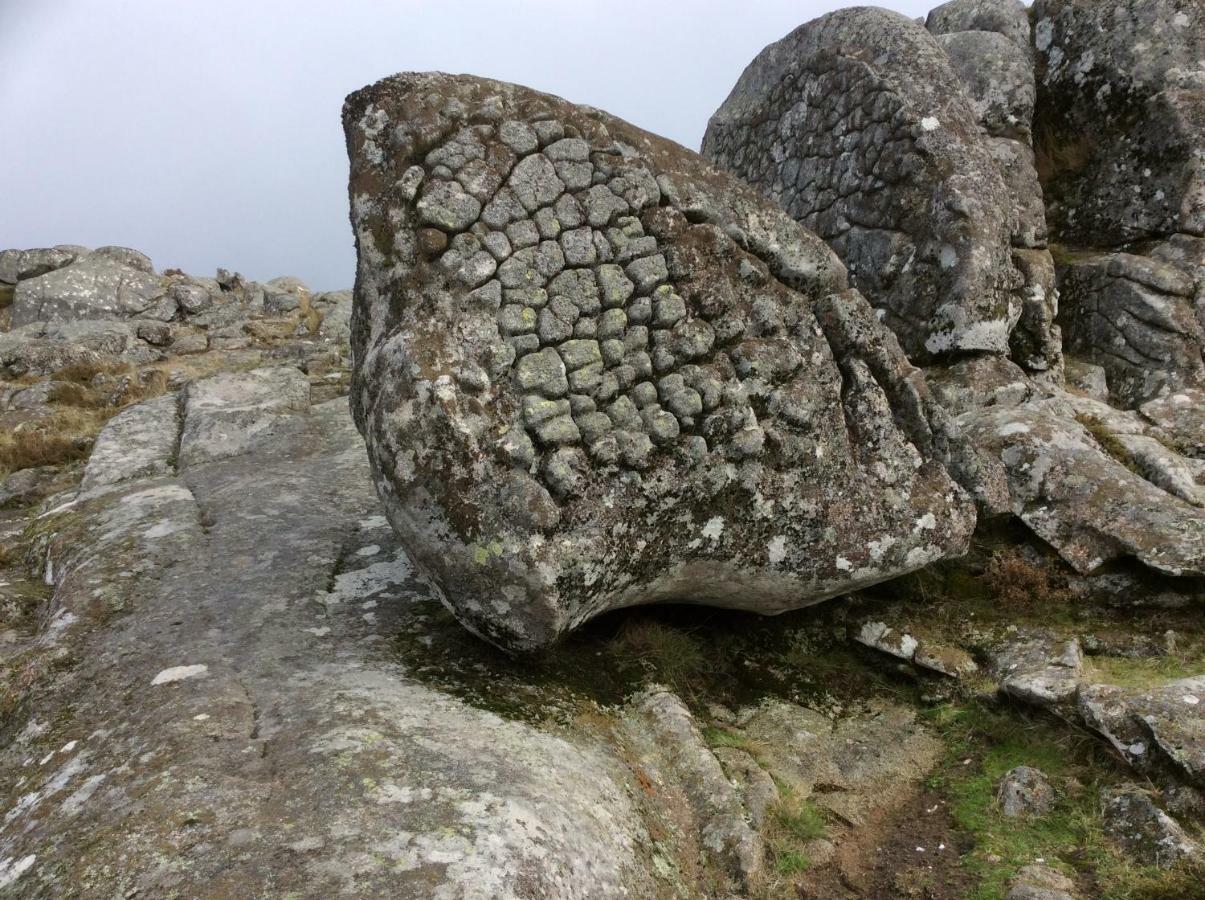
[(859, 126), (911, 151), (594, 372)]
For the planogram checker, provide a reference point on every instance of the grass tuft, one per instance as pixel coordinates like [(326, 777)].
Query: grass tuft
[(77, 412), (791, 862), (1109, 442), (671, 655)]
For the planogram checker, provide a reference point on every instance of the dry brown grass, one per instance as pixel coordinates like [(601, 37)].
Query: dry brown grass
[(7, 293), (1109, 442), (78, 411), (59, 439), (310, 316), (1055, 154)]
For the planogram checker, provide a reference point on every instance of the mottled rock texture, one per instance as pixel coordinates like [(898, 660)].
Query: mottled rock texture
[(1006, 17), (216, 710), (593, 372), (108, 283), (1134, 316), (988, 45), (1069, 483), (858, 125), (1152, 728), (1121, 117), (1145, 832)]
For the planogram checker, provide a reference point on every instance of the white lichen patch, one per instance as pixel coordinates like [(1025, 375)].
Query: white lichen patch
[(11, 870), (379, 576), (180, 673), (930, 123), (73, 804), (714, 528), (777, 549), (1013, 428)]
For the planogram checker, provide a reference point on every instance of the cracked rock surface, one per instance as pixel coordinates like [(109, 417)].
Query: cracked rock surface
[(243, 729), (1121, 115), (594, 372), (858, 125)]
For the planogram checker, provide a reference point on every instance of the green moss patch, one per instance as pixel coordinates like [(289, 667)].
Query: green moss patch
[(984, 743)]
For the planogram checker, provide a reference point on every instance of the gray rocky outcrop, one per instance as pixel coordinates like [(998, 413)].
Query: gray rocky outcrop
[(108, 283), (247, 714), (988, 46), (857, 124), (1178, 421), (1121, 118), (1067, 481), (17, 265), (1038, 882), (1161, 726), (217, 672), (592, 372), (1135, 316), (1038, 667), (852, 767), (1006, 17), (1145, 832), (667, 741), (997, 75), (927, 655)]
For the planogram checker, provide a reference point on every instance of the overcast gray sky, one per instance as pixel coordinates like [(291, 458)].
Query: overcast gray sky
[(206, 132)]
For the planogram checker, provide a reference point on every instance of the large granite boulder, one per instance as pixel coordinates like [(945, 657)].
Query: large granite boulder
[(17, 265), (987, 42), (108, 283), (1134, 316), (593, 372), (1007, 17), (1121, 117), (997, 75), (858, 126), (227, 690)]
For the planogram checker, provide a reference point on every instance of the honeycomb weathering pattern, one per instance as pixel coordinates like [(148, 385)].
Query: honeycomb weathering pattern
[(593, 372), (857, 125)]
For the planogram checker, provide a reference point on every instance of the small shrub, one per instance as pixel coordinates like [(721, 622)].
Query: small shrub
[(1018, 582), (49, 446), (84, 372), (721, 737), (73, 393)]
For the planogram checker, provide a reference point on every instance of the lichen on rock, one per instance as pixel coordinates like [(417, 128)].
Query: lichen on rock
[(595, 372)]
